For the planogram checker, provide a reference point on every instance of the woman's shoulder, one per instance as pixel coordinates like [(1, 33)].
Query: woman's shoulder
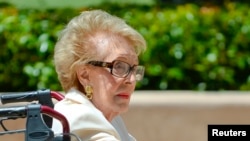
[(83, 116), (76, 107)]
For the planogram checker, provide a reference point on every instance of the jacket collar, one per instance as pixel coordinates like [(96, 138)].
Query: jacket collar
[(77, 96)]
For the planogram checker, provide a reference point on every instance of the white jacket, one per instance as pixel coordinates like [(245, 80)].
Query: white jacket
[(87, 122)]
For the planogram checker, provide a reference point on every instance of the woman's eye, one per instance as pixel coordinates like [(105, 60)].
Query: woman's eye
[(120, 68)]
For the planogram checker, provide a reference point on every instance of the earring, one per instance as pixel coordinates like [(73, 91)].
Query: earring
[(89, 92)]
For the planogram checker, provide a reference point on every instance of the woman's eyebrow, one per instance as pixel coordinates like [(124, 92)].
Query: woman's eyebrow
[(126, 58)]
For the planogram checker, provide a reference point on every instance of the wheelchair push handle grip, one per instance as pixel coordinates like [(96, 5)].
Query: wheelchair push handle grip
[(12, 97), (40, 95), (14, 111)]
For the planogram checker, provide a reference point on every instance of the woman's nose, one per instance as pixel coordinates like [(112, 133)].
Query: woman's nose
[(131, 77)]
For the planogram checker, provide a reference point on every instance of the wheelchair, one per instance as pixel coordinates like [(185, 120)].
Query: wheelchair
[(39, 113)]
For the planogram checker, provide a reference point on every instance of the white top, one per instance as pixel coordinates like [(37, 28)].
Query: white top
[(120, 127), (87, 122)]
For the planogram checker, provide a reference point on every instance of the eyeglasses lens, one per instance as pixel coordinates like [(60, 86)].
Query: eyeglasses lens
[(139, 73), (122, 69)]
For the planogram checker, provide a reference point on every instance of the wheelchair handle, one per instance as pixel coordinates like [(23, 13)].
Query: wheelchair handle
[(12, 97)]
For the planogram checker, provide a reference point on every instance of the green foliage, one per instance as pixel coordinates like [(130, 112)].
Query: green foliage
[(189, 46), (27, 43)]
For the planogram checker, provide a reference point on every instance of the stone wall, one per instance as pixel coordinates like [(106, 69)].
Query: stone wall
[(175, 115)]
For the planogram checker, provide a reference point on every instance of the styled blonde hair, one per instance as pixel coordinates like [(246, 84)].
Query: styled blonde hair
[(75, 47)]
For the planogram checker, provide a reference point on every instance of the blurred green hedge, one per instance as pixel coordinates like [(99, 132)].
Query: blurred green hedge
[(190, 47)]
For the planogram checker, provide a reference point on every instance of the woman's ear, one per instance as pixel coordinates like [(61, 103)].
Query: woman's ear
[(82, 74)]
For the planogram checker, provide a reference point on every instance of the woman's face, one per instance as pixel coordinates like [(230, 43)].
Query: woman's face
[(112, 94)]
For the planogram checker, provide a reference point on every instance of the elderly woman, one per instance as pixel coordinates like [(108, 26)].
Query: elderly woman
[(96, 59)]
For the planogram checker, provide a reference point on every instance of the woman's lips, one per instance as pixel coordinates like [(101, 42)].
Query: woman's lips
[(125, 96)]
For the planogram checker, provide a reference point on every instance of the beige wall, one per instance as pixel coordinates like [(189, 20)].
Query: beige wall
[(184, 116), (176, 115)]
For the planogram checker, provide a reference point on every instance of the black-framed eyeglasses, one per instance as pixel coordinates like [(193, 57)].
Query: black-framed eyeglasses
[(121, 69)]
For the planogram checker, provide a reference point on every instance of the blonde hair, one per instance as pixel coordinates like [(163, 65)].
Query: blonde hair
[(74, 45)]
